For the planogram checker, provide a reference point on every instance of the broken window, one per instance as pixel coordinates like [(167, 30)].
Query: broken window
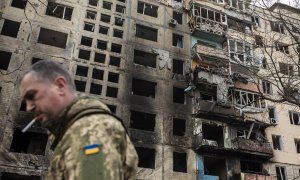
[(277, 27), (89, 26), (59, 11), (91, 15), (19, 4), (146, 32), (281, 173), (35, 60), (113, 77), (178, 127), (239, 26), (146, 157), (5, 59), (208, 92), (294, 118), (209, 17), (10, 28), (96, 89), (251, 167), (272, 115), (267, 87), (245, 99), (106, 5), (282, 48), (144, 58), (264, 63), (177, 41), (103, 30), (244, 133), (277, 142), (13, 176), (118, 33), (115, 61), (286, 69), (238, 4), (177, 66), (112, 108), (101, 44), (143, 88), (240, 52), (52, 38), (119, 21), (117, 48), (93, 2), (80, 85), (120, 9), (111, 92), (142, 121), (82, 71), (105, 18), (179, 162), (84, 54), (178, 95), (255, 20), (99, 58), (213, 133), (177, 16), (97, 74), (86, 41), (147, 9), (259, 41), (29, 142), (297, 144)]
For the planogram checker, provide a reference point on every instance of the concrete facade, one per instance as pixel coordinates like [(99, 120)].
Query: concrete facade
[(109, 71)]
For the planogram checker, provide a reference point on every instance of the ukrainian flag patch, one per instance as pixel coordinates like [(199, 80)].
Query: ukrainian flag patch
[(91, 149)]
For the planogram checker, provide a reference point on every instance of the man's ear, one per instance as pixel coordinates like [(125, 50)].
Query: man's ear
[(61, 83)]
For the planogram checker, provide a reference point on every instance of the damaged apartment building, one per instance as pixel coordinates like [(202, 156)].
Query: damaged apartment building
[(238, 134), (173, 70)]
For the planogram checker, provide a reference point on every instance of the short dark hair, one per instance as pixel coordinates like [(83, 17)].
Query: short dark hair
[(47, 70)]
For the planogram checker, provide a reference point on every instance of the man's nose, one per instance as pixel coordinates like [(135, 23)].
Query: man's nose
[(30, 106)]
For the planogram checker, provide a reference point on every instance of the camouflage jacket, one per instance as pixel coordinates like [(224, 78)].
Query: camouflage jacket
[(91, 144)]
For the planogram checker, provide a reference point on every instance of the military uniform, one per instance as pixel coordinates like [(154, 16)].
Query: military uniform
[(90, 144)]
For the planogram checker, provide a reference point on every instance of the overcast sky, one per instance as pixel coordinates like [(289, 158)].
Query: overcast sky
[(270, 2), (288, 2)]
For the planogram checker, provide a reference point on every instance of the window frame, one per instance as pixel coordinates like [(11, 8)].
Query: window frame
[(267, 87), (145, 5), (244, 53)]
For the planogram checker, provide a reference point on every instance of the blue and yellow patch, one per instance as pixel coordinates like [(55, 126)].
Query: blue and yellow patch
[(91, 149)]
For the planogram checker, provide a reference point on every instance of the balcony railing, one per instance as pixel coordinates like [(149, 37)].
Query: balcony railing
[(246, 176), (202, 24), (253, 146), (211, 51), (229, 110)]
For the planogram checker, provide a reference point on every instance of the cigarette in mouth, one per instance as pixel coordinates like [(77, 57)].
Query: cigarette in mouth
[(28, 125)]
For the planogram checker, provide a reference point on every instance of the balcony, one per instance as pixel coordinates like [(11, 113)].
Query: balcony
[(248, 176), (229, 111), (254, 146), (198, 23), (211, 51)]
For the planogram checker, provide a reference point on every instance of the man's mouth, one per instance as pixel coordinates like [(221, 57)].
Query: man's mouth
[(38, 116)]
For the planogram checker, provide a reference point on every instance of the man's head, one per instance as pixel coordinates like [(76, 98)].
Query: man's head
[(47, 88)]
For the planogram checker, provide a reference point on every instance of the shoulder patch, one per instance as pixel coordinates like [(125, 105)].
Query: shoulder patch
[(91, 149)]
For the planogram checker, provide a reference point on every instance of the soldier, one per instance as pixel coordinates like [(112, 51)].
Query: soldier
[(89, 142)]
